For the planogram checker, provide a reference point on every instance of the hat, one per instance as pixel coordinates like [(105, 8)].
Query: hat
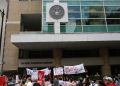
[(109, 78)]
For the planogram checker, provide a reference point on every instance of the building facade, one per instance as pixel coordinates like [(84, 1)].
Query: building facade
[(3, 14), (90, 36)]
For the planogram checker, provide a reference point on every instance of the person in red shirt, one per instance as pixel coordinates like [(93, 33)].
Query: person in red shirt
[(109, 81)]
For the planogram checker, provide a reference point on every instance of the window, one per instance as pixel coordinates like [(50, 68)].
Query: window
[(23, 0), (23, 54), (35, 0), (93, 15), (93, 22)]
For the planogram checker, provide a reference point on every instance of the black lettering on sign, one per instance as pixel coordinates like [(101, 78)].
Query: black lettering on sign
[(36, 63)]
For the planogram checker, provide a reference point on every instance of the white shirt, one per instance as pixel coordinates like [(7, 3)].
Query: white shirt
[(61, 82), (29, 84), (94, 84)]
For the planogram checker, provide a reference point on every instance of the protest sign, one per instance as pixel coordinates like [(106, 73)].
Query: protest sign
[(34, 75), (66, 83), (2, 80), (74, 69), (46, 70), (29, 72), (58, 71), (40, 77)]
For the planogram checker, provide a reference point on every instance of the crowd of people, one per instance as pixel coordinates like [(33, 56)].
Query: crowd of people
[(59, 81)]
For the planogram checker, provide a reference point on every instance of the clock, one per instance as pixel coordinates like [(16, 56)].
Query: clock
[(56, 12)]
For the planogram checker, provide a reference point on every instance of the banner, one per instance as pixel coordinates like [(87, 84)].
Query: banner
[(74, 69), (58, 71), (40, 77), (2, 80), (29, 72), (46, 70)]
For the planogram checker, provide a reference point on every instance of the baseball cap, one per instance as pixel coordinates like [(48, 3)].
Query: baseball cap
[(109, 78)]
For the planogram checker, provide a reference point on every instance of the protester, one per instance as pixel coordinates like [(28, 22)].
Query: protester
[(86, 72), (67, 79), (80, 80), (101, 83), (71, 82), (116, 82), (94, 83), (104, 80), (29, 82), (97, 74), (35, 83), (48, 82), (86, 81), (61, 82), (109, 81), (56, 82), (119, 78)]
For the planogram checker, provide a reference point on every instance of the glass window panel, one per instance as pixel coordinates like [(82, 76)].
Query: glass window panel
[(44, 2), (91, 3), (48, 29), (44, 15), (23, 0), (35, 0), (113, 21), (93, 15), (68, 29), (112, 8), (112, 3), (74, 22), (44, 22), (92, 8), (73, 8), (94, 29), (93, 22), (71, 2), (74, 15), (112, 15), (113, 28), (44, 8)]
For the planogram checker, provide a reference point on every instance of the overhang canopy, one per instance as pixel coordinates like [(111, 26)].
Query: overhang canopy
[(66, 41)]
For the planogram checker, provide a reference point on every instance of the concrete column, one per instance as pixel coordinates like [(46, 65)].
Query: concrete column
[(57, 54), (105, 69)]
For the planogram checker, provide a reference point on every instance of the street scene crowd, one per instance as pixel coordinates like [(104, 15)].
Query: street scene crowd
[(63, 80)]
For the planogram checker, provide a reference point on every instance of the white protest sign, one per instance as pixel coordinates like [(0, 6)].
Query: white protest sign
[(29, 72), (46, 70), (58, 71), (74, 69), (34, 75)]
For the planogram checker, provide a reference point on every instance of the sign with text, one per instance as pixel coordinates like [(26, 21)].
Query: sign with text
[(74, 69), (36, 62), (58, 71), (29, 71), (40, 77), (46, 70)]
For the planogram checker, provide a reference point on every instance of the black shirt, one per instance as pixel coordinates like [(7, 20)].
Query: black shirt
[(36, 84)]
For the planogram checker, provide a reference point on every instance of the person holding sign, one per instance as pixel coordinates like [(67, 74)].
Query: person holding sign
[(71, 82)]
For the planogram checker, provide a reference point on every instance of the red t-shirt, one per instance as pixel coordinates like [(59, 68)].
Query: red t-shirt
[(111, 85), (40, 77), (105, 83)]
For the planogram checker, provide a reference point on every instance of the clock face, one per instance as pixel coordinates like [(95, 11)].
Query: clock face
[(56, 12)]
